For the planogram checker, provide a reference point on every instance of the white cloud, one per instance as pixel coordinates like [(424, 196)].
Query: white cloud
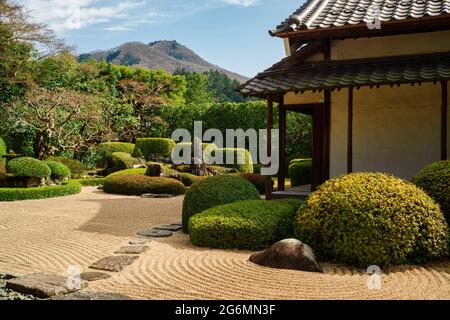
[(244, 3)]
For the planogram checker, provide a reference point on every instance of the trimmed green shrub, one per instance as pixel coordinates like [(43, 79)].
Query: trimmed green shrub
[(28, 167), (15, 194), (372, 219), (108, 148), (138, 185), (148, 147), (138, 171), (295, 203), (218, 170), (251, 224), (93, 182), (242, 159), (122, 161), (300, 171), (58, 170), (77, 169), (259, 181), (188, 179), (434, 179), (215, 191), (2, 150)]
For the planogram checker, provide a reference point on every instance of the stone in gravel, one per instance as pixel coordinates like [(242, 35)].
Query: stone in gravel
[(139, 241), (41, 285), (114, 263), (132, 250), (94, 276), (177, 224), (288, 254), (154, 233), (169, 227), (91, 295), (157, 196)]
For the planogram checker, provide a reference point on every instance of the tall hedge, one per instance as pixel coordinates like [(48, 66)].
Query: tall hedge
[(148, 147), (2, 150), (300, 172)]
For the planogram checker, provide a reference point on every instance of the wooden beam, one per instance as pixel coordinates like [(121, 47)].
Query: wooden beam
[(269, 124), (282, 127), (444, 120), (350, 132)]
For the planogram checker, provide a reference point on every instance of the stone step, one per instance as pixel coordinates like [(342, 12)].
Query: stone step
[(132, 250), (154, 233), (91, 295), (169, 227), (114, 263)]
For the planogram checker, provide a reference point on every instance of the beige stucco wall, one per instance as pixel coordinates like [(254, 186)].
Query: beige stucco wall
[(306, 97), (396, 130), (421, 43)]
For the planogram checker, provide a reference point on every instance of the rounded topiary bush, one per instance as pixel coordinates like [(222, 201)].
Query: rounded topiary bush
[(77, 169), (215, 191), (372, 219), (300, 172), (58, 170), (122, 161), (27, 167), (435, 181), (151, 147), (250, 224), (189, 179), (2, 150), (137, 185), (242, 159), (259, 181), (108, 148)]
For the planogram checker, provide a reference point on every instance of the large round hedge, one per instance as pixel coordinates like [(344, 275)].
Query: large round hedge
[(137, 185), (15, 194), (122, 161), (435, 180), (300, 172), (215, 191), (58, 170), (28, 167), (250, 224), (149, 147), (372, 219), (2, 150), (242, 158), (108, 148), (77, 169)]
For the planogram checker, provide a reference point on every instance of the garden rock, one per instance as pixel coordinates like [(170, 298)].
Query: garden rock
[(157, 196), (288, 254), (154, 233), (138, 241), (132, 250), (91, 295), (114, 263), (94, 276), (169, 227), (154, 170)]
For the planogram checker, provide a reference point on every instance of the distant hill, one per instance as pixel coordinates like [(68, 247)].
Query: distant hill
[(167, 55)]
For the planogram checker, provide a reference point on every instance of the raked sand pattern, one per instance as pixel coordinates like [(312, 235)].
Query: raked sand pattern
[(51, 235)]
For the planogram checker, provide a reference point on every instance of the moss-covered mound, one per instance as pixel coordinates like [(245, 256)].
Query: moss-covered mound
[(435, 180), (138, 185), (15, 194), (26, 167), (372, 219), (216, 191)]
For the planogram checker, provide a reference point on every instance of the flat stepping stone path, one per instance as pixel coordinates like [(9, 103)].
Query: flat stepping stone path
[(140, 241), (41, 285), (91, 295), (169, 227), (132, 250), (157, 196), (114, 263), (155, 233), (94, 276)]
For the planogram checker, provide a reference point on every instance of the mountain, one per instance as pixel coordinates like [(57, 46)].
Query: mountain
[(167, 55)]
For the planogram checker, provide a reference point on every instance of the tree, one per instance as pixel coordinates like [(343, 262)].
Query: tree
[(198, 88)]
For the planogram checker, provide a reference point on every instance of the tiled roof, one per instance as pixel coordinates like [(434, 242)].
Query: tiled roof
[(356, 73), (335, 13)]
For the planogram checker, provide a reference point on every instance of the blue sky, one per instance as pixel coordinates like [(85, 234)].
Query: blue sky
[(229, 33)]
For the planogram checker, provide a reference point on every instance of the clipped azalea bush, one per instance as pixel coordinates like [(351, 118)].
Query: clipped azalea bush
[(434, 179), (372, 219), (300, 172), (58, 170), (106, 149), (151, 147), (2, 150), (122, 161), (188, 179), (138, 185), (250, 224), (77, 169), (16, 194), (136, 171), (26, 167), (242, 158), (215, 191)]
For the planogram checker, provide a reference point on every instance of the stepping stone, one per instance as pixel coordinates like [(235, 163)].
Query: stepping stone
[(157, 196), (114, 263), (91, 295), (139, 241), (155, 233), (41, 285), (132, 250), (169, 227), (177, 224), (94, 276)]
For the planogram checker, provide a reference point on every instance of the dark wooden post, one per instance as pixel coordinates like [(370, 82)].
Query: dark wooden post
[(269, 186), (350, 132), (444, 124), (282, 127)]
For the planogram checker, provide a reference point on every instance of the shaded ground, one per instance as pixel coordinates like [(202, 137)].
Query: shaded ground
[(51, 235)]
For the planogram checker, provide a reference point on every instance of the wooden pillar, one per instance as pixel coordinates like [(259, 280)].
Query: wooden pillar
[(350, 132), (326, 136), (282, 127), (444, 124), (269, 123)]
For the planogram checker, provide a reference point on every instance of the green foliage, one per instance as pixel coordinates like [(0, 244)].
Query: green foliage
[(300, 172), (2, 171), (76, 167), (138, 171), (93, 182), (257, 180), (215, 191), (139, 185), (15, 194), (58, 169), (198, 88), (242, 158), (3, 150), (372, 219), (434, 179), (188, 179), (106, 149), (251, 224), (28, 167), (122, 161), (155, 146)]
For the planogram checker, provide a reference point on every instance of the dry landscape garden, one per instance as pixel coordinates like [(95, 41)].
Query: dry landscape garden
[(89, 193)]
